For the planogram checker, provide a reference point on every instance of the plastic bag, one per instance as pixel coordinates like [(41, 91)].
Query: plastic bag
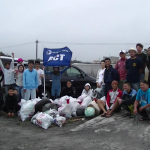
[(59, 121), (65, 110), (74, 106), (62, 100), (42, 119), (86, 102), (52, 112), (27, 108)]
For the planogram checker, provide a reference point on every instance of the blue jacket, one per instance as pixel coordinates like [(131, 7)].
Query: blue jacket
[(56, 79), (30, 79), (110, 75)]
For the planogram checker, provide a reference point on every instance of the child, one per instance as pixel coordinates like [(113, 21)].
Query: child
[(10, 105), (9, 80), (19, 80), (56, 81), (18, 96), (40, 74), (86, 96)]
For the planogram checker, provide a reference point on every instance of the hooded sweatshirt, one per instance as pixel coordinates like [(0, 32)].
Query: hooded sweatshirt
[(87, 93)]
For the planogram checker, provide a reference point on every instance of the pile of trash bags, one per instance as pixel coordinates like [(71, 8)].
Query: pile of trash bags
[(45, 112)]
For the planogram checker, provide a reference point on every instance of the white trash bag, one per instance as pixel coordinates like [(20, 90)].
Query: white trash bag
[(52, 112), (86, 102), (65, 110), (43, 120), (74, 105), (59, 120), (27, 108)]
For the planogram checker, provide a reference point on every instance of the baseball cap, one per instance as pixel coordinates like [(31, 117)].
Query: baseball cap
[(122, 51)]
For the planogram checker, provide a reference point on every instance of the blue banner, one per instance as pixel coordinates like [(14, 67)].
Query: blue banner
[(57, 57)]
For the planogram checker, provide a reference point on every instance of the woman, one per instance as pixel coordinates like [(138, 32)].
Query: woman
[(100, 79), (69, 90)]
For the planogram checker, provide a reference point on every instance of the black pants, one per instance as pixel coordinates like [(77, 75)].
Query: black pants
[(40, 91), (107, 88), (5, 109), (149, 79), (144, 113)]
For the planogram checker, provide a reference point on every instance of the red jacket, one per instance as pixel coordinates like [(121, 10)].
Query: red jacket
[(111, 98), (121, 68)]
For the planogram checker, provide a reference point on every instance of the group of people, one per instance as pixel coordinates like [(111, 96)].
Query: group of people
[(20, 83), (125, 85)]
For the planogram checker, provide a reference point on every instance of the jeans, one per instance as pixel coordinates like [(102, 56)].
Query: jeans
[(55, 93), (29, 93), (20, 91), (135, 86), (142, 77)]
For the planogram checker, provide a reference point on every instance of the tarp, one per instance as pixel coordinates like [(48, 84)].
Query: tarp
[(57, 57)]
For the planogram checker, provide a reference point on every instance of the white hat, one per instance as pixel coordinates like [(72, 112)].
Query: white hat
[(122, 51), (132, 49)]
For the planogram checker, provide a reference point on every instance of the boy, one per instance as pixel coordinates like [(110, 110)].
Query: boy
[(142, 102), (56, 81), (10, 105), (40, 74), (30, 81), (9, 80), (110, 100), (126, 100)]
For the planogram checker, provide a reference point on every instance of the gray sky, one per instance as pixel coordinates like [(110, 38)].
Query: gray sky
[(76, 21)]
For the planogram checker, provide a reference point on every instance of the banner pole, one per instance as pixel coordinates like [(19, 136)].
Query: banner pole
[(44, 83)]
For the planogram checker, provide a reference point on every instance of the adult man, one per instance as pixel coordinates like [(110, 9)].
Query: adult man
[(121, 68), (142, 57), (110, 100), (143, 96), (110, 75), (30, 81), (148, 64), (40, 74), (7, 69), (134, 68), (125, 101)]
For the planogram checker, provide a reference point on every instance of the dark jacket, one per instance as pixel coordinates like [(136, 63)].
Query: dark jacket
[(110, 75), (69, 91), (11, 102)]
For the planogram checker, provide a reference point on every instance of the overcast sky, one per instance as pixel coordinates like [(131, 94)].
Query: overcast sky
[(74, 21)]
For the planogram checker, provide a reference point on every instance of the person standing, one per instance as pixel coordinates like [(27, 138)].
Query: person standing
[(142, 58), (121, 68), (134, 69), (30, 81), (148, 65), (9, 79), (100, 79), (40, 74), (56, 81), (110, 74)]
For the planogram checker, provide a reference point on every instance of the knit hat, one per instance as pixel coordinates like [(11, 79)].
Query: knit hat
[(20, 60)]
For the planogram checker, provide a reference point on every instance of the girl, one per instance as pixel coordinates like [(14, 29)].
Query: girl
[(86, 96), (19, 80)]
